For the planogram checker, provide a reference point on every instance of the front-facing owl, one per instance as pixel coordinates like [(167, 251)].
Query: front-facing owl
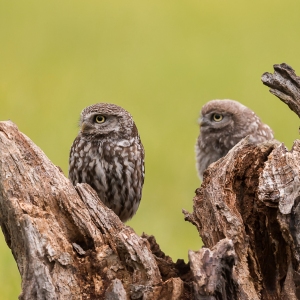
[(109, 156), (223, 123)]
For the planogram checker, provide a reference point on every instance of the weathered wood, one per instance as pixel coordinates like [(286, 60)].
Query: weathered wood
[(285, 85), (251, 197), (213, 271), (226, 206), (68, 245)]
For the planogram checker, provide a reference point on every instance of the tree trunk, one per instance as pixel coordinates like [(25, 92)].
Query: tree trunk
[(68, 245)]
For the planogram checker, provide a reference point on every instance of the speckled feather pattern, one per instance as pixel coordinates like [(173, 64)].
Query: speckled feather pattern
[(217, 138), (109, 157)]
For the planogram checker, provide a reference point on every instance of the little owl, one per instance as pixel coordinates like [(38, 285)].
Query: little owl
[(108, 155), (223, 123)]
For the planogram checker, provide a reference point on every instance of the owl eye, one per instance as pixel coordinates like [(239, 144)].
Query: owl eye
[(100, 119), (217, 117)]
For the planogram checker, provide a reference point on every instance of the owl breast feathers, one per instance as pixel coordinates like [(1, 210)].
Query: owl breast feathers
[(109, 156), (223, 123)]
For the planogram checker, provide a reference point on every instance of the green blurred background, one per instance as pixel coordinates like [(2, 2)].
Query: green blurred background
[(161, 60)]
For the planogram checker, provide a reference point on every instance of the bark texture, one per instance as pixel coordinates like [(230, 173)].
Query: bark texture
[(68, 245), (251, 198), (285, 85)]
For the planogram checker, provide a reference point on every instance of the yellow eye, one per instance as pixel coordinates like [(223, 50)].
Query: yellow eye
[(100, 119), (217, 117)]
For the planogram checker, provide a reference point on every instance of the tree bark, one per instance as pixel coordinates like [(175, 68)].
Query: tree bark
[(251, 198), (68, 245)]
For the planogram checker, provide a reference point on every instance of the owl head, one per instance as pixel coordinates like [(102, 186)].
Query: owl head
[(106, 120), (223, 123), (224, 116)]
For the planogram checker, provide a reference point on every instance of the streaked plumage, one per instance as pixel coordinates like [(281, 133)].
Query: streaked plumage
[(223, 123), (108, 155)]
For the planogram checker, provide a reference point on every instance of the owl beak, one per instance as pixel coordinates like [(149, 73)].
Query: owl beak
[(202, 121), (84, 126)]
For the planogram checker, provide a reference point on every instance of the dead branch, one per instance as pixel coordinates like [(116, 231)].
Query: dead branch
[(285, 85)]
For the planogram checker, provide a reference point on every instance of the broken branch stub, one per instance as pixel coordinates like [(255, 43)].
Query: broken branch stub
[(285, 85)]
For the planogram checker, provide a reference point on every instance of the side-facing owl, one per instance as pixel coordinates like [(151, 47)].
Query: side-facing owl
[(108, 155), (223, 123)]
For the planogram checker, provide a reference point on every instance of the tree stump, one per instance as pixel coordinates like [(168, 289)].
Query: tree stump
[(68, 245)]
